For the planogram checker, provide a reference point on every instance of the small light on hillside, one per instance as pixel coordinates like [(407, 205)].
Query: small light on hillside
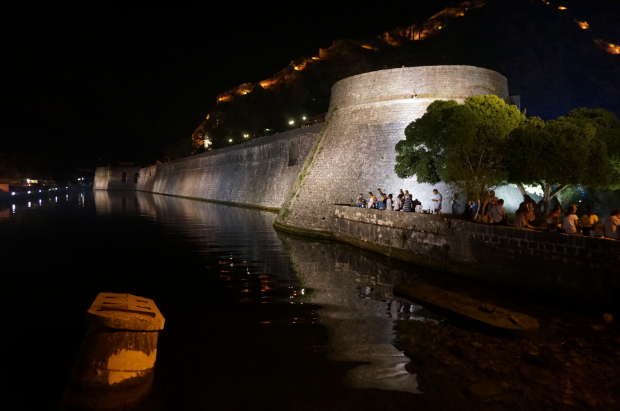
[(230, 141), (561, 8), (583, 24)]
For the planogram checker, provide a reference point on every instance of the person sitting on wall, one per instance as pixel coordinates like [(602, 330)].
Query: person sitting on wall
[(489, 202), (361, 202), (382, 202), (521, 216), (571, 221), (598, 230), (389, 204), (436, 199), (612, 224), (372, 200), (553, 220), (588, 220), (470, 210), (498, 214), (398, 202), (407, 203), (416, 206)]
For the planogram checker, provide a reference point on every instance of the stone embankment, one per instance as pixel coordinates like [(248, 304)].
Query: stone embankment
[(568, 267)]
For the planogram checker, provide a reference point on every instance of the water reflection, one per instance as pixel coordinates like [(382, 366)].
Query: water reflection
[(358, 309), (354, 293)]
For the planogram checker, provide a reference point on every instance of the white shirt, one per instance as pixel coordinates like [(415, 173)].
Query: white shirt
[(371, 201), (498, 213), (436, 204), (570, 224), (611, 227)]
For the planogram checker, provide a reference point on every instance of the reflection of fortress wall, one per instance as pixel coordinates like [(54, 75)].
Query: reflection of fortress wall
[(258, 173), (202, 222), (358, 327), (368, 116)]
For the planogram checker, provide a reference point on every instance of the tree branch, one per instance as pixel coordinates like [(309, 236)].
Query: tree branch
[(557, 190), (522, 189)]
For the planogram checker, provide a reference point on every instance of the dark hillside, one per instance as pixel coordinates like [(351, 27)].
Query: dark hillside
[(547, 56)]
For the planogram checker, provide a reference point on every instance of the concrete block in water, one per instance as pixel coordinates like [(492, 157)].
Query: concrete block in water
[(116, 362)]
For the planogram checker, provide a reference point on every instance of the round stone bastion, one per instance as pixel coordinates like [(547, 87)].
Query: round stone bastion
[(419, 83), (355, 152)]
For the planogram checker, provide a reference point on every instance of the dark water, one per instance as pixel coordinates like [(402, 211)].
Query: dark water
[(255, 319)]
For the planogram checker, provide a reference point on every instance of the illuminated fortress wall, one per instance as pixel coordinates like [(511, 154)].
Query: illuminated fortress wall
[(258, 173), (368, 115)]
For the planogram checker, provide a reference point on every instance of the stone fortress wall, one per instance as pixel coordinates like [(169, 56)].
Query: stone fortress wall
[(368, 115), (310, 173), (258, 173)]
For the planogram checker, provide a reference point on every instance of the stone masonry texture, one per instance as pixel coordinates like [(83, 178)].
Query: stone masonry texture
[(258, 173), (368, 115), (569, 267)]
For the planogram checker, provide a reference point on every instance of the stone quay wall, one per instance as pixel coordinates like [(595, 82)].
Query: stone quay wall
[(562, 266), (258, 173)]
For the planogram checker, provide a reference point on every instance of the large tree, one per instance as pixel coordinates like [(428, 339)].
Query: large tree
[(460, 144), (580, 148)]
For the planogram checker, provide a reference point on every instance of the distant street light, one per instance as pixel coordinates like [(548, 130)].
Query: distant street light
[(291, 122), (230, 141), (246, 135), (303, 118)]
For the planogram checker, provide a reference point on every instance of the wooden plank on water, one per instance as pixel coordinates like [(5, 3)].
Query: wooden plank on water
[(469, 309)]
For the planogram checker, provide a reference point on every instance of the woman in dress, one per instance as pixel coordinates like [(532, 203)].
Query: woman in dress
[(372, 200)]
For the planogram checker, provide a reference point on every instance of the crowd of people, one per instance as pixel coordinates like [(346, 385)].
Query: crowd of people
[(492, 211), (403, 202)]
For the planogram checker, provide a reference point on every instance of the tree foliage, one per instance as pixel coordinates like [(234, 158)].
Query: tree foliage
[(580, 148), (460, 144)]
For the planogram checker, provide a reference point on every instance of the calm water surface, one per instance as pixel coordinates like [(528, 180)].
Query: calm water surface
[(255, 319)]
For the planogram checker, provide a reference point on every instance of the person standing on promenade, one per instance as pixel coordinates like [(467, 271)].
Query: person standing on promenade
[(588, 220), (398, 202), (455, 206), (436, 199), (389, 204), (612, 225), (407, 202)]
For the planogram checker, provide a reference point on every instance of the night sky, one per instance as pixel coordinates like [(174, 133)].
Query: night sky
[(92, 83)]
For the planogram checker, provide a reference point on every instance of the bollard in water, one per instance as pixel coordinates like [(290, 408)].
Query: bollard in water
[(114, 368)]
